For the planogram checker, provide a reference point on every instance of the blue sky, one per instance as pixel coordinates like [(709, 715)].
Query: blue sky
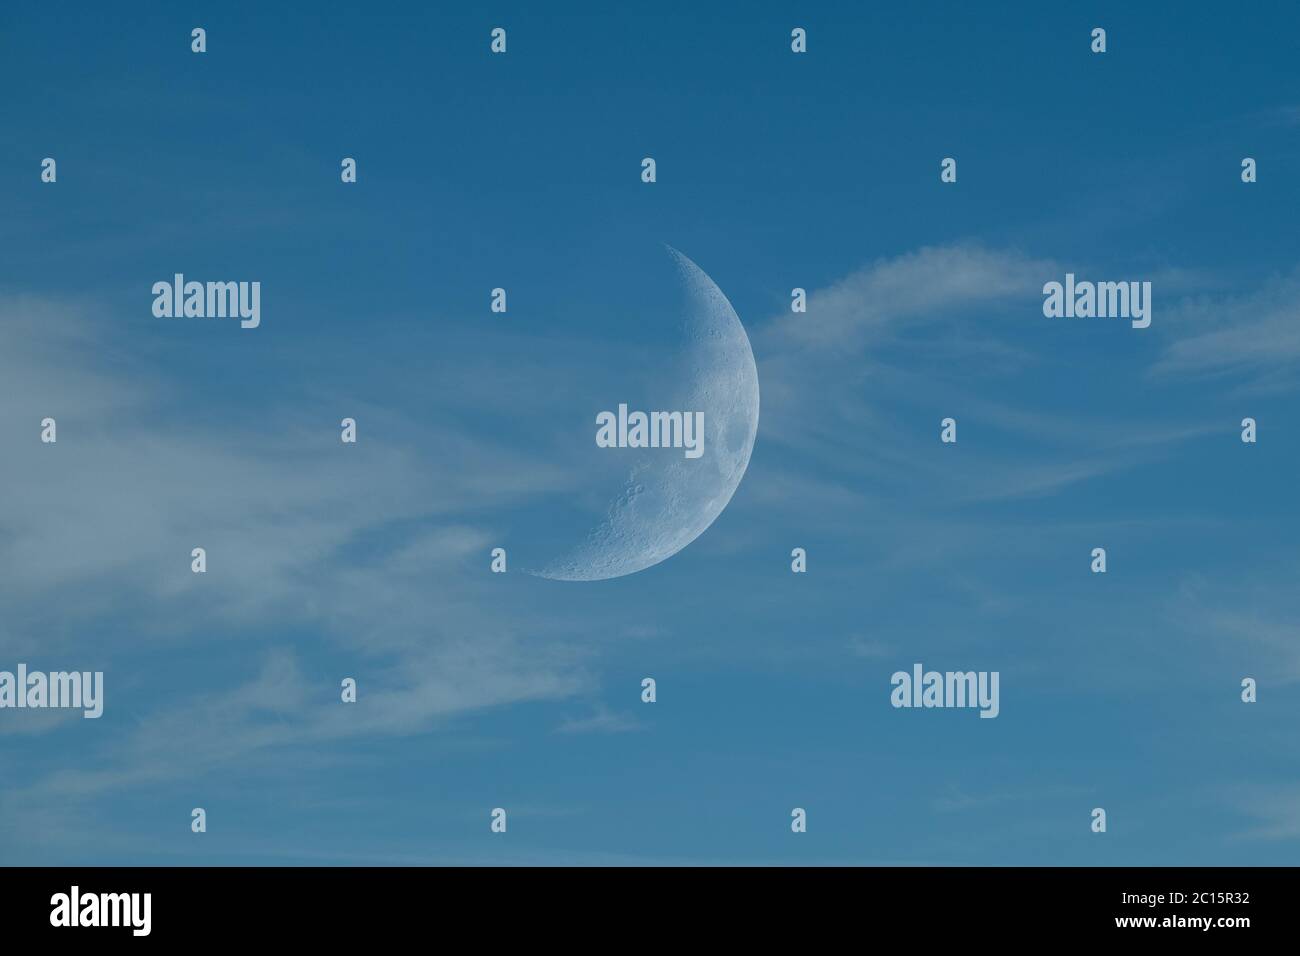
[(774, 171)]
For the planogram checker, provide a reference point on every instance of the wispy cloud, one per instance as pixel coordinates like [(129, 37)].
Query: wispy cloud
[(941, 328), (1251, 617), (1274, 807), (1254, 333), (602, 721), (934, 284), (871, 649), (375, 549)]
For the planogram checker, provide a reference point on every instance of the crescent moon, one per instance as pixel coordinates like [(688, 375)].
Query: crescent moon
[(669, 500)]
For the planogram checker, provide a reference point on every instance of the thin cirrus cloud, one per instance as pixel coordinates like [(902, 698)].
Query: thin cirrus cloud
[(101, 524), (104, 520), (1254, 334), (843, 384), (925, 285), (602, 720)]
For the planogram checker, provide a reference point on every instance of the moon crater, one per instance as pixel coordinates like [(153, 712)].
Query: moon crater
[(667, 500)]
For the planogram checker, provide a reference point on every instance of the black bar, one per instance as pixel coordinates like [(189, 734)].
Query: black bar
[(669, 905)]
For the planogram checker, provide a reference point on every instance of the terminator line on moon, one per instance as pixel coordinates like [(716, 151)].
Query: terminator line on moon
[(668, 501)]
